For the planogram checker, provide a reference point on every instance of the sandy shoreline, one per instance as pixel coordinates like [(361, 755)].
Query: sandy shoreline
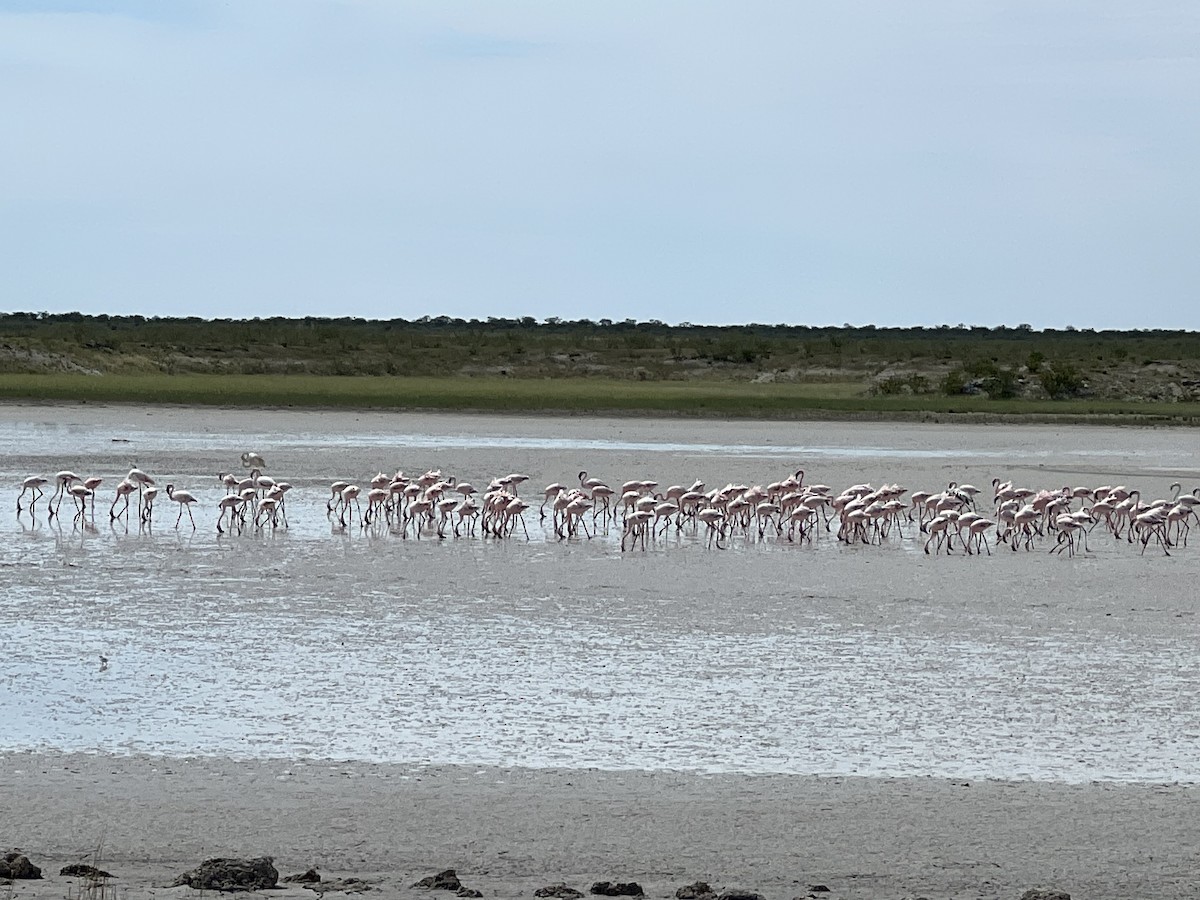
[(510, 831)]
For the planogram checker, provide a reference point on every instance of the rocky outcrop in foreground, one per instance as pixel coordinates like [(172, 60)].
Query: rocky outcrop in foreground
[(258, 874), (16, 864)]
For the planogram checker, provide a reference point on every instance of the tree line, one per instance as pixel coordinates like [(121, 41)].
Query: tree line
[(1000, 361)]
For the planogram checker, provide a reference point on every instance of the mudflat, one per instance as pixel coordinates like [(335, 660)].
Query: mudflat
[(769, 717)]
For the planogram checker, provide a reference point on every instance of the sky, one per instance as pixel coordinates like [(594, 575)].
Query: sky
[(887, 163)]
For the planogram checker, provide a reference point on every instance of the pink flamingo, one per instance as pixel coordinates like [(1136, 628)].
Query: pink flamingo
[(714, 521), (977, 531), (124, 488), (231, 504), (80, 494), (549, 493), (350, 495)]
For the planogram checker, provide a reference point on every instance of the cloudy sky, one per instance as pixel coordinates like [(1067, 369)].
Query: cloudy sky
[(888, 163)]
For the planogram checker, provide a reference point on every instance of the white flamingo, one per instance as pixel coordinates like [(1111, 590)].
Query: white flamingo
[(32, 485), (64, 480), (185, 499), (141, 479)]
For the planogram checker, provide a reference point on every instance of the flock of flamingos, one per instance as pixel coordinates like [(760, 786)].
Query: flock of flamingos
[(958, 517)]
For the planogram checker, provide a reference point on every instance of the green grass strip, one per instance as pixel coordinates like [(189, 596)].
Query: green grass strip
[(581, 395)]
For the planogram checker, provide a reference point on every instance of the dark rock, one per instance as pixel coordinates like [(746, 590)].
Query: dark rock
[(257, 874), (17, 865), (559, 890), (83, 870), (468, 892), (697, 890), (312, 876), (1045, 894), (617, 889), (347, 885), (734, 894), (442, 881), (818, 889)]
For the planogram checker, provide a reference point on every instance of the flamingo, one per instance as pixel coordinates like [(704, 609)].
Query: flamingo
[(664, 512), (252, 460), (978, 531), (1067, 528), (232, 504), (376, 498), (148, 504), (800, 518), (550, 492), (1024, 523), (185, 500), (1151, 524), (513, 481), (765, 513), (467, 509), (445, 509), (64, 479), (558, 509), (588, 483), (141, 479), (416, 510), (279, 493), (573, 516), (514, 510), (938, 528), (124, 488), (336, 498), (350, 495), (80, 493), (33, 485), (636, 526), (714, 520), (92, 483), (267, 509), (601, 497), (968, 491), (262, 482)]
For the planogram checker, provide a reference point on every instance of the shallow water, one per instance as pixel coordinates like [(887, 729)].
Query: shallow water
[(766, 657)]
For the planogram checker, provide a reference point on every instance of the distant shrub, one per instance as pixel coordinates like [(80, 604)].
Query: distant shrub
[(1003, 385), (982, 368), (895, 385), (954, 383), (1062, 381)]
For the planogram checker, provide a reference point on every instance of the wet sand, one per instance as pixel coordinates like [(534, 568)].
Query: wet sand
[(509, 830)]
